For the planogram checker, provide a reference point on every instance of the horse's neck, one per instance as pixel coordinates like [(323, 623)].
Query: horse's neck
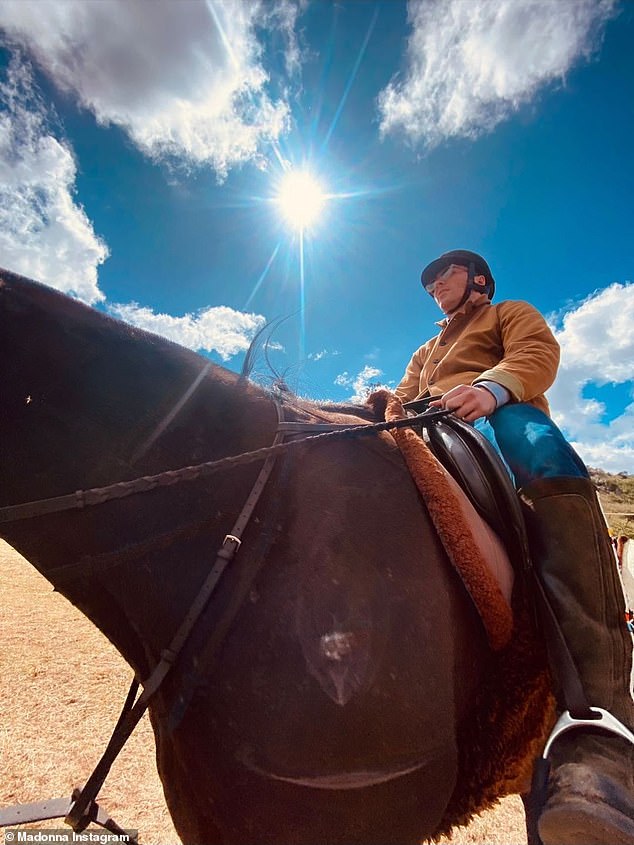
[(87, 403), (124, 563)]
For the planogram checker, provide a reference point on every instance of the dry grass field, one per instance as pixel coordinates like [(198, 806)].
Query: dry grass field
[(616, 492), (62, 687)]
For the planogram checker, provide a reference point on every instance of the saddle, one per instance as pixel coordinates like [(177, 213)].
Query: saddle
[(475, 465)]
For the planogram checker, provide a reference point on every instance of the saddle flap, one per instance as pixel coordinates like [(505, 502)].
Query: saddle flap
[(473, 548), (487, 540), (474, 463)]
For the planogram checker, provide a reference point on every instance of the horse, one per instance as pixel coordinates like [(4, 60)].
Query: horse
[(327, 686)]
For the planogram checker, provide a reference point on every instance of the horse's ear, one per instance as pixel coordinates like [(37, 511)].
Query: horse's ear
[(377, 401)]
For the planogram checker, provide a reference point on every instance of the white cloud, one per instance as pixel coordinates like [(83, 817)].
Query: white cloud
[(323, 353), (373, 355), (183, 79), (360, 383), (219, 329), (43, 232), (597, 347), (472, 63)]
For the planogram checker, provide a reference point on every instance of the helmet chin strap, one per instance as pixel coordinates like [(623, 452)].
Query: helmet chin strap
[(470, 286)]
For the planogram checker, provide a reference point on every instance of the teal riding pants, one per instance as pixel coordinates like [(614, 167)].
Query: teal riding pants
[(530, 444)]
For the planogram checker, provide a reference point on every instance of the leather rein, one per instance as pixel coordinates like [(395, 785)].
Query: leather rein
[(81, 808)]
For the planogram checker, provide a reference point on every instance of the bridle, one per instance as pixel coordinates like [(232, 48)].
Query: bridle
[(81, 808)]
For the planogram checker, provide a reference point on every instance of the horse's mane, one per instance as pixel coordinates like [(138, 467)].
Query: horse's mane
[(372, 410), (261, 344), (366, 411)]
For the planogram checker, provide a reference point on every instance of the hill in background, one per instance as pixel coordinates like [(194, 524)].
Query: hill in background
[(616, 493)]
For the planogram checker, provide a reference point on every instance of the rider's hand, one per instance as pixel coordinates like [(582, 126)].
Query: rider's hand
[(468, 403)]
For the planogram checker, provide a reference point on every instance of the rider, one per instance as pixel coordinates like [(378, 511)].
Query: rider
[(490, 365)]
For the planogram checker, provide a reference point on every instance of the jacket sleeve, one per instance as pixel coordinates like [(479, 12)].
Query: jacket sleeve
[(409, 386), (531, 352)]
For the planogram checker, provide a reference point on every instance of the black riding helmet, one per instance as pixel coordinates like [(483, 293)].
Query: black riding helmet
[(476, 265)]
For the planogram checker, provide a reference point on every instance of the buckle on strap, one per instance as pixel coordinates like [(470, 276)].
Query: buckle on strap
[(603, 720), (230, 546)]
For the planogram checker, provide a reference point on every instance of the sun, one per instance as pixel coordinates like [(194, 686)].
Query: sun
[(300, 199)]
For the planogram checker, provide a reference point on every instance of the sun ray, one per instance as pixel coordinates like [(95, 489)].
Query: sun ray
[(302, 299), (222, 33), (263, 275), (353, 75), (278, 155)]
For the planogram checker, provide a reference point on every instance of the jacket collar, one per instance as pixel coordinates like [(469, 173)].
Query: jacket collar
[(467, 309)]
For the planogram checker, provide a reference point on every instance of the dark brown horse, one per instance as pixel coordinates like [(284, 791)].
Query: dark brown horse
[(329, 711)]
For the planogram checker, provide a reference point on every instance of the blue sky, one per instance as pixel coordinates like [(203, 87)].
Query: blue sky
[(143, 146)]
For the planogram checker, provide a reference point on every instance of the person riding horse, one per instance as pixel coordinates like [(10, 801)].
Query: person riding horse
[(490, 365)]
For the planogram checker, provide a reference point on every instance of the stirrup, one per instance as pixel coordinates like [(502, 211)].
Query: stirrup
[(604, 720), (541, 770)]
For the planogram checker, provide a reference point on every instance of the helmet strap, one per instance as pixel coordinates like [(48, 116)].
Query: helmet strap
[(470, 286)]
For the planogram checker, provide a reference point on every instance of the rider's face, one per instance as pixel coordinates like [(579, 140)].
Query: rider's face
[(448, 287)]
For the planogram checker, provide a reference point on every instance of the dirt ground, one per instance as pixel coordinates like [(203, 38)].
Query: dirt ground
[(62, 686)]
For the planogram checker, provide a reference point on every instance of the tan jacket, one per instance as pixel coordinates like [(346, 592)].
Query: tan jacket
[(509, 343)]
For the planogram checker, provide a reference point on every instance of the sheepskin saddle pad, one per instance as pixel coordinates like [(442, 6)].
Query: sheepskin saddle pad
[(515, 709)]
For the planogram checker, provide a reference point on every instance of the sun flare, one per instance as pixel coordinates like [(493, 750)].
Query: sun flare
[(300, 199)]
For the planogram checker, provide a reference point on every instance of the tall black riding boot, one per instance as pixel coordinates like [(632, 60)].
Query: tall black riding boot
[(590, 799)]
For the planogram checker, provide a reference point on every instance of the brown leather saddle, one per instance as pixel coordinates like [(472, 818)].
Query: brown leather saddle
[(476, 466)]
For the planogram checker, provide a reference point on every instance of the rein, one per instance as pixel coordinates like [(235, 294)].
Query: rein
[(120, 489)]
